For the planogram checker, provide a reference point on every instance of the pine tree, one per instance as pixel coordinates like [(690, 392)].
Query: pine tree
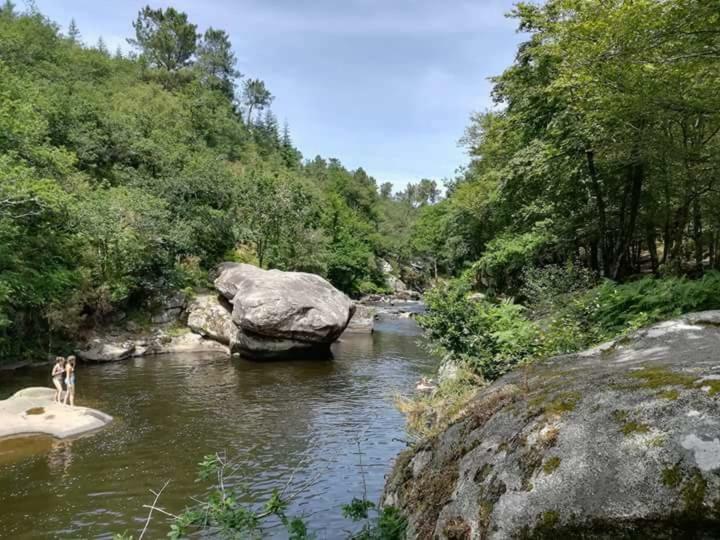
[(216, 62), (73, 31), (8, 9), (102, 47), (291, 155)]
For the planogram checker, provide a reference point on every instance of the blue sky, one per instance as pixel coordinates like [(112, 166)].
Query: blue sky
[(388, 85)]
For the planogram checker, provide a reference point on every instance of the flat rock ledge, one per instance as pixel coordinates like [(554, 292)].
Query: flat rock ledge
[(620, 441), (31, 411), (118, 348)]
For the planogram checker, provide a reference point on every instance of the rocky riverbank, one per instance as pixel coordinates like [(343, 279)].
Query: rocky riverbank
[(253, 312), (619, 441)]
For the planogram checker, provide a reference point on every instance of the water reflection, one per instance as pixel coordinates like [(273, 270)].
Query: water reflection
[(60, 458), (170, 411)]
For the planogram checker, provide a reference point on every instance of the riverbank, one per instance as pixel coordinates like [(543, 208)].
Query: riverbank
[(616, 441)]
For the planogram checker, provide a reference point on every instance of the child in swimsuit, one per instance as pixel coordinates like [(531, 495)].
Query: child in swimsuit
[(57, 377), (70, 380)]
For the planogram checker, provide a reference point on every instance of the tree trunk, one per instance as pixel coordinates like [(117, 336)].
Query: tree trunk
[(634, 185), (594, 263), (652, 247), (698, 236), (602, 220)]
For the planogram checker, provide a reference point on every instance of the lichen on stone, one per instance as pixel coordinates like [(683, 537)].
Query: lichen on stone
[(693, 494), (551, 464), (672, 476), (660, 377)]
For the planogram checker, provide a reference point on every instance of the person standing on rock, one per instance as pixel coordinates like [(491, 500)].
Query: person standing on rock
[(70, 381), (57, 377)]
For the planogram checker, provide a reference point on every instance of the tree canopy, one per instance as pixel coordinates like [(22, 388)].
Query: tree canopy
[(123, 176)]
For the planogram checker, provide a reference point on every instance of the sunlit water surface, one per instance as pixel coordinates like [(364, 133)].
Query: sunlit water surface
[(300, 418)]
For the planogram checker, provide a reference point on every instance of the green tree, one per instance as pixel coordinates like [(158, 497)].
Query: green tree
[(74, 32), (255, 97), (216, 61), (165, 37)]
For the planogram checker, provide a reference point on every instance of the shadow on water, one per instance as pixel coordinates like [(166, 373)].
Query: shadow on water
[(273, 418)]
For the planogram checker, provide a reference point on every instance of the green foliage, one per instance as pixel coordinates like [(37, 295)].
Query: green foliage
[(545, 287), (165, 37), (606, 130), (388, 524), (221, 512), (619, 308), (121, 177), (501, 266), (491, 338)]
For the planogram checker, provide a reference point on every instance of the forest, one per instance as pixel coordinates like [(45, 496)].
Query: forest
[(591, 203), (124, 175)]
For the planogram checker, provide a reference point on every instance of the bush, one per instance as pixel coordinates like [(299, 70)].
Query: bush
[(614, 309), (489, 338), (500, 268), (492, 338), (547, 286)]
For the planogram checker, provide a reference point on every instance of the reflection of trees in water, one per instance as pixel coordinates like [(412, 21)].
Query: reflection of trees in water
[(60, 457)]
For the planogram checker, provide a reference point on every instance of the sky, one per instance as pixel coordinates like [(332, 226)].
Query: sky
[(387, 85)]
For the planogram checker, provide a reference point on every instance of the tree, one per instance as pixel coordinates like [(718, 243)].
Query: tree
[(255, 97), (216, 61), (386, 190), (291, 155), (165, 38), (427, 192), (74, 32), (101, 47)]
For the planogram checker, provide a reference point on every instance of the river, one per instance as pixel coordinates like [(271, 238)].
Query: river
[(299, 418)]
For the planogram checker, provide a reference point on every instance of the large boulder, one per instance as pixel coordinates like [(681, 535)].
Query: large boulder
[(622, 441), (394, 282), (280, 313)]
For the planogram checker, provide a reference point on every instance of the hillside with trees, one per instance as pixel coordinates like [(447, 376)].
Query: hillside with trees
[(124, 175)]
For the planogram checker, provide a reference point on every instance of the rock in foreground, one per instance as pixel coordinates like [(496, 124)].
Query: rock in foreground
[(282, 313), (32, 411), (622, 441)]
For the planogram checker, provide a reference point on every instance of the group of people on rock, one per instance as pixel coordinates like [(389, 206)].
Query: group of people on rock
[(64, 371)]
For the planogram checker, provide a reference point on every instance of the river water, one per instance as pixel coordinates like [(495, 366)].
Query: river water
[(304, 419)]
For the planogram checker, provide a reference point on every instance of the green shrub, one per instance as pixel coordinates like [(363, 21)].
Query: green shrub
[(487, 337), (614, 309), (506, 256), (545, 287), (492, 338)]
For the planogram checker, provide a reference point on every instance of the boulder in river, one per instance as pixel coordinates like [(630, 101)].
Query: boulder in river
[(621, 441), (282, 313), (363, 320), (33, 411)]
